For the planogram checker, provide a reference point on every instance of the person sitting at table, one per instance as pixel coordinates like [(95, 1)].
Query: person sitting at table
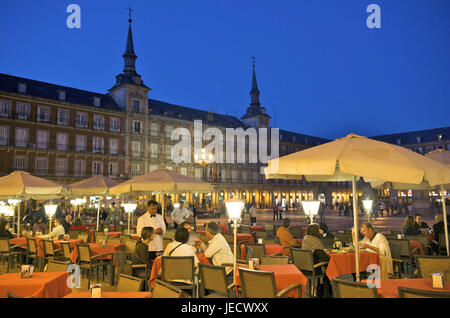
[(39, 226), (284, 235), (57, 231), (179, 246), (156, 221), (420, 224), (192, 238), (67, 223), (78, 226), (141, 254), (438, 228), (181, 214), (409, 226), (4, 230), (377, 243), (325, 233)]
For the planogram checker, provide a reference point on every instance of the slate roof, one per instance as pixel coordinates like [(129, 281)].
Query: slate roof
[(408, 138), (34, 88), (289, 136)]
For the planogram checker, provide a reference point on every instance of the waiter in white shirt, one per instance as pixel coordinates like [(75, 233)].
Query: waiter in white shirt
[(156, 221), (181, 214)]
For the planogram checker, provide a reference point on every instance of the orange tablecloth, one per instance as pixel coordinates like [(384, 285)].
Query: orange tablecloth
[(111, 295), (98, 249), (342, 264), (270, 249), (157, 266), (19, 240), (40, 285), (413, 245), (389, 287), (114, 234), (285, 275), (224, 227), (240, 237), (255, 228), (40, 243)]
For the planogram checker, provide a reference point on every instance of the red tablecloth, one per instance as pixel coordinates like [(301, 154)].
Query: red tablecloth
[(413, 245), (270, 249), (40, 243), (157, 267), (40, 285), (224, 227), (111, 295), (114, 234), (255, 228), (240, 237), (342, 264), (98, 249), (285, 275), (389, 287)]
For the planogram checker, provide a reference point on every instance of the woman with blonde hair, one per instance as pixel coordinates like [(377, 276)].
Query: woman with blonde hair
[(409, 227)]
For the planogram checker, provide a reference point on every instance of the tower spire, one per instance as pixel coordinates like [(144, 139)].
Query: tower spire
[(254, 93), (129, 57)]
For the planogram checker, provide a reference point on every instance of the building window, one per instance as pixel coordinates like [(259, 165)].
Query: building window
[(5, 108), (21, 137), (97, 144), (154, 150), (114, 124), (43, 114), (136, 149), (97, 168), (4, 135), (99, 122), (63, 117), (97, 101), (22, 110), (184, 171), (22, 88), (42, 138), (135, 169), (168, 152), (244, 176), (41, 166), (81, 120), (199, 173), (80, 167), (114, 146), (255, 177), (136, 106), (62, 95), (62, 141), (20, 163), (153, 168), (154, 129), (60, 167), (112, 169), (429, 148), (234, 176), (169, 129), (419, 139), (399, 142), (137, 127), (80, 143)]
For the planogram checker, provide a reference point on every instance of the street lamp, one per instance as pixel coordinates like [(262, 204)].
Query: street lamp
[(50, 209), (129, 208), (203, 160), (234, 210), (368, 208), (311, 209)]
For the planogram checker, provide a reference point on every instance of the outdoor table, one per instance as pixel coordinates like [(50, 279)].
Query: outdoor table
[(91, 225), (19, 240), (156, 268), (114, 234), (344, 263), (413, 245), (285, 275), (224, 227), (389, 287), (270, 249), (40, 243), (40, 285), (111, 295), (255, 228), (240, 236)]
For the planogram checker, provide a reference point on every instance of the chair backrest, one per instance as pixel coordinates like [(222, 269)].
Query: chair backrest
[(422, 239), (303, 259), (129, 283), (404, 246), (442, 244), (245, 228), (73, 234), (258, 249), (113, 240), (269, 228), (344, 237), (257, 284), (229, 238), (347, 289), (4, 244), (31, 246), (296, 231), (396, 251), (49, 248), (176, 268), (390, 236), (54, 266), (274, 260), (83, 236), (428, 265), (213, 278), (66, 249), (238, 249), (99, 237), (271, 241), (130, 246), (118, 228), (166, 241), (260, 234), (404, 292), (396, 232), (165, 290), (84, 253), (125, 237)]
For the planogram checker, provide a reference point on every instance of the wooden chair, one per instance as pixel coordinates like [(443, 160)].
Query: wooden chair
[(130, 246), (9, 250), (346, 289), (129, 284), (296, 231), (113, 240), (163, 289), (269, 229), (166, 241), (55, 266), (427, 265), (304, 261), (73, 234), (245, 228), (327, 243), (65, 246), (98, 236), (274, 260), (258, 250), (175, 269), (405, 252), (404, 292), (88, 262), (214, 280), (50, 252), (261, 284), (84, 236), (262, 235), (125, 237), (229, 238), (423, 240), (32, 251), (397, 262)]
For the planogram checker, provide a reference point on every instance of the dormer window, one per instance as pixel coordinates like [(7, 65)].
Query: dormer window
[(399, 141), (22, 88), (62, 95), (97, 101), (136, 106), (419, 139)]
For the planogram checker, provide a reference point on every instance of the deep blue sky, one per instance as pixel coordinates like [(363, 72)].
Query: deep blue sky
[(320, 70)]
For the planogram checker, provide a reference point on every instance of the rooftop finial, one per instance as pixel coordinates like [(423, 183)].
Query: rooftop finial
[(254, 93), (129, 14), (253, 61)]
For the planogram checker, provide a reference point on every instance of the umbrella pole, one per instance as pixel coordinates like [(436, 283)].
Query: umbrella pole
[(18, 221), (162, 204), (355, 227), (444, 210), (98, 214)]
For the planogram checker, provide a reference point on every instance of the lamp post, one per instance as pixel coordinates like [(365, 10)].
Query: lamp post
[(50, 209), (203, 159), (311, 209), (234, 210), (129, 208), (14, 203), (368, 208)]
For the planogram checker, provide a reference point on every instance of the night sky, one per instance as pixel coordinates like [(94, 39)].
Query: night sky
[(320, 69)]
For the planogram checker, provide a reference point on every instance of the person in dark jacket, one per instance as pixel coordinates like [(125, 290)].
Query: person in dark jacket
[(438, 228), (409, 227), (141, 255), (67, 223), (4, 230)]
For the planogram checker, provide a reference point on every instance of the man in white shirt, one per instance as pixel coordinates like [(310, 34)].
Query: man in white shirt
[(181, 214), (252, 213), (58, 230), (218, 248), (377, 243), (156, 221)]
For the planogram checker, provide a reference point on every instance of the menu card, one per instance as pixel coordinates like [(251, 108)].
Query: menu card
[(96, 291), (438, 280), (26, 271)]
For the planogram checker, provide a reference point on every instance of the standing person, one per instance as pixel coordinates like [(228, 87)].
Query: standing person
[(322, 213), (275, 211), (156, 221), (181, 214), (341, 208), (252, 213)]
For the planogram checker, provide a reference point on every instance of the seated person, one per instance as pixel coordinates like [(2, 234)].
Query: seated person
[(377, 243), (4, 230), (325, 233), (141, 254), (78, 226), (409, 227), (39, 226), (285, 236), (438, 228), (192, 238), (420, 224), (58, 230), (67, 223)]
